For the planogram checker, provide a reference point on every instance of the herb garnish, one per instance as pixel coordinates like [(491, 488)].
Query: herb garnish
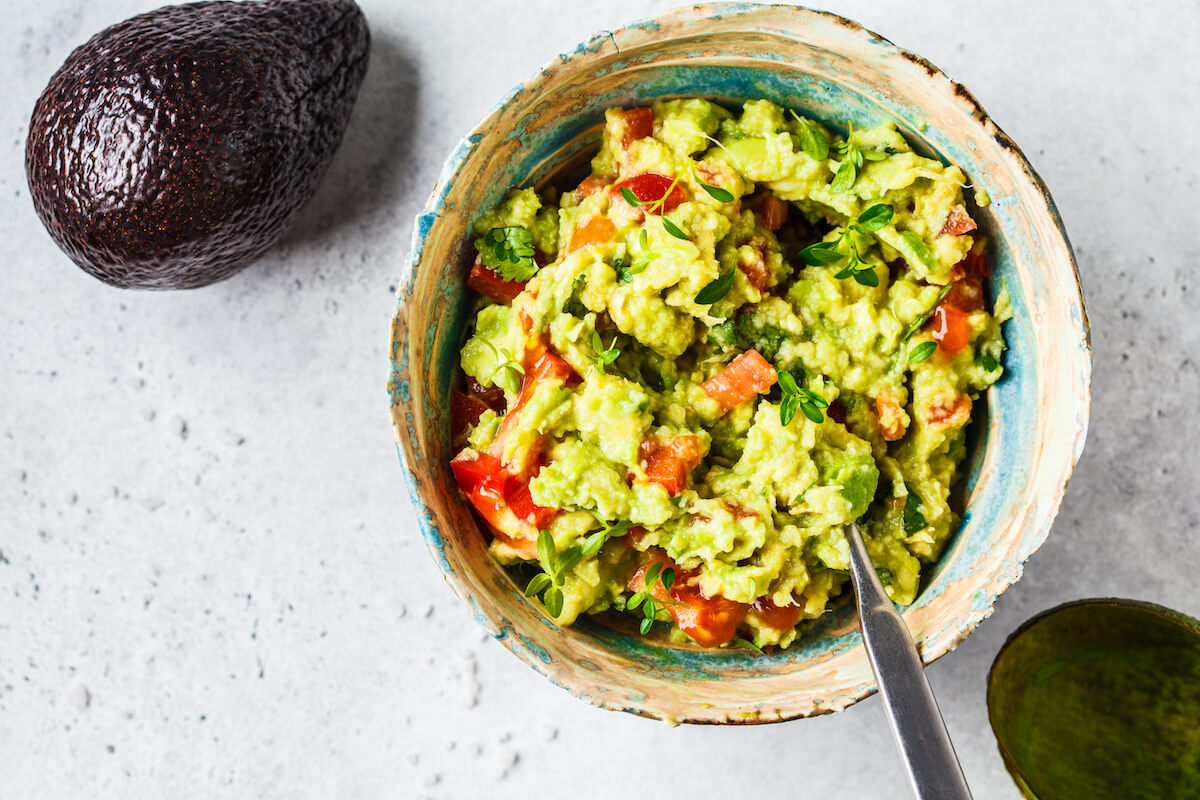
[(716, 192), (912, 517), (822, 254), (555, 566), (853, 157), (813, 140), (652, 206), (636, 266), (921, 352), (645, 598), (885, 575), (745, 644), (717, 289), (504, 362), (600, 356), (674, 229), (920, 321), (808, 401), (508, 251)]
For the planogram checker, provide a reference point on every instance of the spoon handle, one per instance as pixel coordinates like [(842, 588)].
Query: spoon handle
[(933, 768)]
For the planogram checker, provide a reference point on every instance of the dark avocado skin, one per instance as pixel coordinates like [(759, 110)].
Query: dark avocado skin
[(174, 148)]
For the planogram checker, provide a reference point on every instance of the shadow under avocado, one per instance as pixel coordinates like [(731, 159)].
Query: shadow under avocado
[(366, 175)]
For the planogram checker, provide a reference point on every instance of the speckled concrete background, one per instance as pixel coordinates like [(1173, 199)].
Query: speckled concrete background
[(210, 584)]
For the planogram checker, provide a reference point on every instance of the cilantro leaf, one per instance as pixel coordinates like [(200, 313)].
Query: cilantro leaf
[(845, 177), (912, 517), (813, 140), (716, 192), (508, 251)]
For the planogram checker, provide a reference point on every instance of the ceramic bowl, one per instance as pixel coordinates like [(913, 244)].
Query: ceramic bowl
[(829, 67)]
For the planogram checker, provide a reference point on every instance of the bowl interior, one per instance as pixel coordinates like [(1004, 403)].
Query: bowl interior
[(835, 71)]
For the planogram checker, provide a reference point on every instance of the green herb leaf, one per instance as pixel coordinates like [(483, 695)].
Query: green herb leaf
[(546, 551), (872, 155), (813, 398), (920, 321), (846, 271), (875, 217), (509, 251), (674, 230), (867, 277), (821, 254), (813, 141), (921, 352), (652, 574), (717, 193), (812, 412), (537, 584), (885, 575), (636, 600), (568, 560), (845, 177), (553, 601), (716, 290), (630, 197), (668, 578), (787, 382), (650, 610), (912, 517), (746, 644), (646, 625), (593, 543), (988, 362), (787, 409)]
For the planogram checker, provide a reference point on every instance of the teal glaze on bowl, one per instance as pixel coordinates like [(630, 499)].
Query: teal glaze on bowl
[(834, 69)]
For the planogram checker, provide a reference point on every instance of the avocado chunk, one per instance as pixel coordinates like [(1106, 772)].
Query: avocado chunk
[(174, 148)]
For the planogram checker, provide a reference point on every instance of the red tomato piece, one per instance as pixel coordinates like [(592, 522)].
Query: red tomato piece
[(668, 463), (949, 412), (771, 211), (958, 223), (781, 618), (520, 500), (650, 187), (892, 425), (590, 185), (949, 328), (597, 230), (545, 367), (486, 282), (711, 621), (483, 480), (465, 411), (636, 123), (968, 276), (492, 397), (757, 273), (746, 376)]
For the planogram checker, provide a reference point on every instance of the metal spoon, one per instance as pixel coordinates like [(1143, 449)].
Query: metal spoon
[(933, 768)]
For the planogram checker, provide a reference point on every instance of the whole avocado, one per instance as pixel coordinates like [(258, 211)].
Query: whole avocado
[(175, 147)]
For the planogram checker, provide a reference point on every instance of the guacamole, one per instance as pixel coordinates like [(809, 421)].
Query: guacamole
[(688, 372)]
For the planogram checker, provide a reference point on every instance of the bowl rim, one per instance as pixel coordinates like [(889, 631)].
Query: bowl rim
[(399, 391)]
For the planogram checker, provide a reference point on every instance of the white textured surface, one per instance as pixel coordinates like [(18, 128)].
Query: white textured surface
[(210, 581)]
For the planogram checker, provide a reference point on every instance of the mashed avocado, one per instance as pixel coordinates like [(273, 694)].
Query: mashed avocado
[(688, 373)]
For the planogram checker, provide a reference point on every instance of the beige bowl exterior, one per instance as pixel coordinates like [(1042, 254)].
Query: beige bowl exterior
[(832, 68)]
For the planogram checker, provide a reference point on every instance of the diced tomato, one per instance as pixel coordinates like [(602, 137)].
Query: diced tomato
[(668, 463), (892, 422), (746, 376), (958, 223), (597, 230), (650, 187), (485, 483), (635, 536), (771, 211), (635, 123), (781, 618), (968, 276), (949, 328), (465, 411), (757, 273), (949, 412), (541, 368), (590, 185), (486, 282), (711, 621), (520, 500), (491, 396)]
